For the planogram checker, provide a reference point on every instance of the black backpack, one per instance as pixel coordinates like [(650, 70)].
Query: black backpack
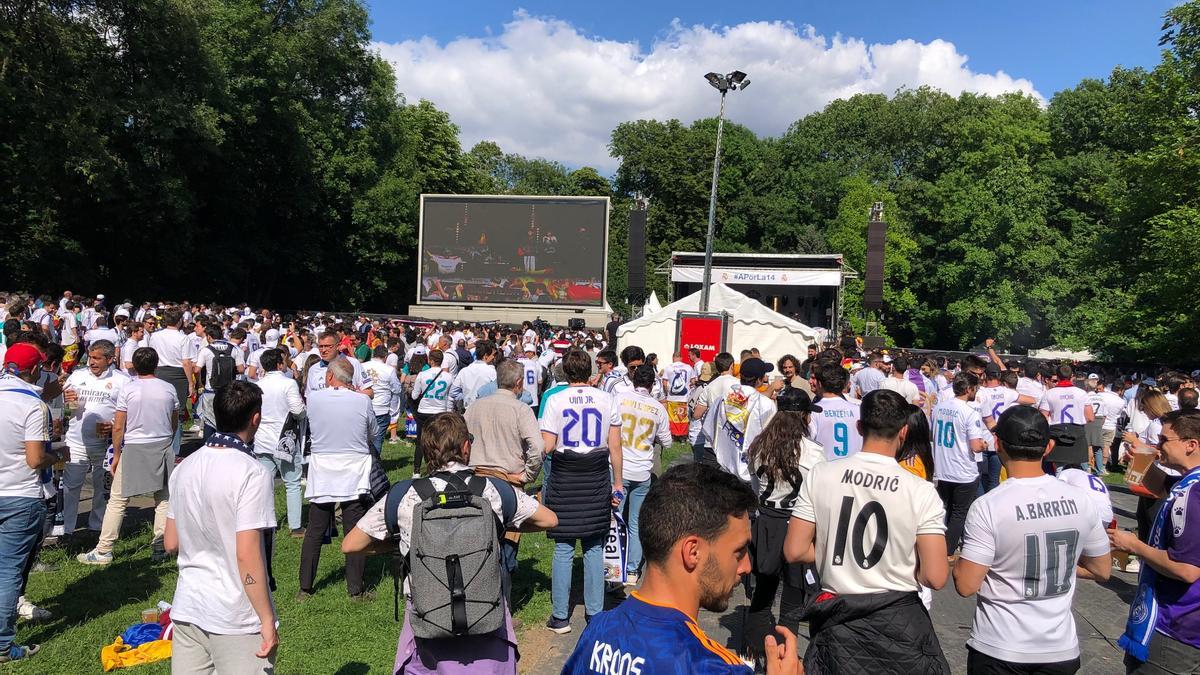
[(224, 366), (453, 563)]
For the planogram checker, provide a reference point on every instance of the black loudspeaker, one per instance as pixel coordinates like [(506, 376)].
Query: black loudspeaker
[(575, 324), (873, 342), (873, 282), (637, 256)]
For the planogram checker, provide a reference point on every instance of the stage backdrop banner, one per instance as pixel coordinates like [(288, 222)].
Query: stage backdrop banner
[(736, 276)]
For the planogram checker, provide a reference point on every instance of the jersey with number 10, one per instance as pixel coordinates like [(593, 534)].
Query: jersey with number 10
[(1030, 533), (955, 423), (868, 511), (836, 427), (580, 417)]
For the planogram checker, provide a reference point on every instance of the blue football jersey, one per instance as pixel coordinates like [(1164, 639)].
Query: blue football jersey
[(639, 638)]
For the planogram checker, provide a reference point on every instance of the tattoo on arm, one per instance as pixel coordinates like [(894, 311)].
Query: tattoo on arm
[(248, 581)]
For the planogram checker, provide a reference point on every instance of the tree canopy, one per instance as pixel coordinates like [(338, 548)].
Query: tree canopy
[(258, 150)]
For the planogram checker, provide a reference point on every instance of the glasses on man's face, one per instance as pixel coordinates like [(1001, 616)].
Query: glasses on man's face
[(1163, 440), (602, 363)]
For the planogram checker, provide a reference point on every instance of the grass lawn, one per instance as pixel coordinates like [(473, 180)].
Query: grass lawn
[(326, 634)]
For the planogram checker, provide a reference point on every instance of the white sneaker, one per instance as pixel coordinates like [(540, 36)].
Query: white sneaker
[(94, 557), (1134, 566), (31, 612), (58, 531)]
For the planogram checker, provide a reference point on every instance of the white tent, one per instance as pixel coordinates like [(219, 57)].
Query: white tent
[(653, 305), (751, 324)]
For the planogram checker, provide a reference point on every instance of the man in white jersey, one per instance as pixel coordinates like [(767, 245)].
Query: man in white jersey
[(92, 394), (740, 417), (706, 403), (1030, 386), (643, 421), (1065, 403), (677, 379), (993, 398), (470, 380), (1024, 545), (581, 429), (533, 373), (835, 427), (875, 532), (327, 349), (958, 438), (1108, 405), (898, 381)]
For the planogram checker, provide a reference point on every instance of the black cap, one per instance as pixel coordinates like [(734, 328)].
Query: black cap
[(794, 399), (992, 370), (754, 368), (1023, 426)]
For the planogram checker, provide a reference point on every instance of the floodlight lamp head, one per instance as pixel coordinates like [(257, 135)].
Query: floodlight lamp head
[(736, 77), (717, 81), (743, 85)]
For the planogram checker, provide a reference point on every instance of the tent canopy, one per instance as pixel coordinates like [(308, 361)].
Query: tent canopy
[(652, 305), (751, 324)]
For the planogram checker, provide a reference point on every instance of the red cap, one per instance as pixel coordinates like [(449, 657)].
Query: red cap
[(24, 356)]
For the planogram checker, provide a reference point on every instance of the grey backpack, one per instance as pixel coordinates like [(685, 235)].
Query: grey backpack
[(453, 563)]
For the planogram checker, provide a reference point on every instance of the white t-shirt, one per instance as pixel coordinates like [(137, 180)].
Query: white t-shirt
[(280, 396), (97, 403), (1065, 405), (127, 349), (677, 381), (106, 333), (374, 522), (888, 508), (387, 386), (173, 347), (577, 416), (150, 406), (992, 402), (739, 418), (1108, 405), (775, 491), (316, 376), (435, 385), (450, 361), (1030, 532), (902, 386), (1096, 489), (23, 417), (1030, 387), (836, 427), (67, 335), (206, 357), (216, 493), (533, 378), (643, 420), (869, 379), (954, 424)]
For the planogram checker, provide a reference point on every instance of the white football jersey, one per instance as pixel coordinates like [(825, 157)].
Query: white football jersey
[(1095, 488), (643, 420), (677, 381), (954, 424), (993, 401), (1065, 405), (836, 427), (580, 417), (868, 511), (1030, 387), (533, 378), (1030, 533)]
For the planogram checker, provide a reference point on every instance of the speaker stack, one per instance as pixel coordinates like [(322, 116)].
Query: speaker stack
[(637, 252)]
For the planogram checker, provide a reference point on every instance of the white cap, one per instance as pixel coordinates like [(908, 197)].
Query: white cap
[(529, 348), (887, 359), (1093, 376), (99, 296), (271, 338)]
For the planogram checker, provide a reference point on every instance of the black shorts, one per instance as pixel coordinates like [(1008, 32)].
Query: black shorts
[(979, 663)]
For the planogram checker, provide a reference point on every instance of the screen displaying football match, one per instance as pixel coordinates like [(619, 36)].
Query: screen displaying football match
[(513, 250)]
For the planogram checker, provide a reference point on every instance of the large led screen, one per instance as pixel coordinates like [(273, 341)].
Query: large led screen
[(513, 250)]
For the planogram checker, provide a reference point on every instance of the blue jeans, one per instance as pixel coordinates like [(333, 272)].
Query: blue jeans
[(20, 527), (989, 471), (593, 576), (635, 493), (290, 473), (381, 425)]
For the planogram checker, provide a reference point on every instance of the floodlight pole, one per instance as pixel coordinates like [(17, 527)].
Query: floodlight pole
[(712, 210)]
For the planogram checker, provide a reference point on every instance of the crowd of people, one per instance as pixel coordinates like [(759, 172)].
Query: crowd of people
[(843, 486)]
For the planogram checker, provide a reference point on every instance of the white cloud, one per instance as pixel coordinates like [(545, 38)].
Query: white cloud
[(542, 88)]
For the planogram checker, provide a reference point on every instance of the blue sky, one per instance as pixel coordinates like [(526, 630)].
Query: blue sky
[(551, 79)]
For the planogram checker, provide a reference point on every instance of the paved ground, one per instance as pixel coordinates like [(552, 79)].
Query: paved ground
[(1100, 612)]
